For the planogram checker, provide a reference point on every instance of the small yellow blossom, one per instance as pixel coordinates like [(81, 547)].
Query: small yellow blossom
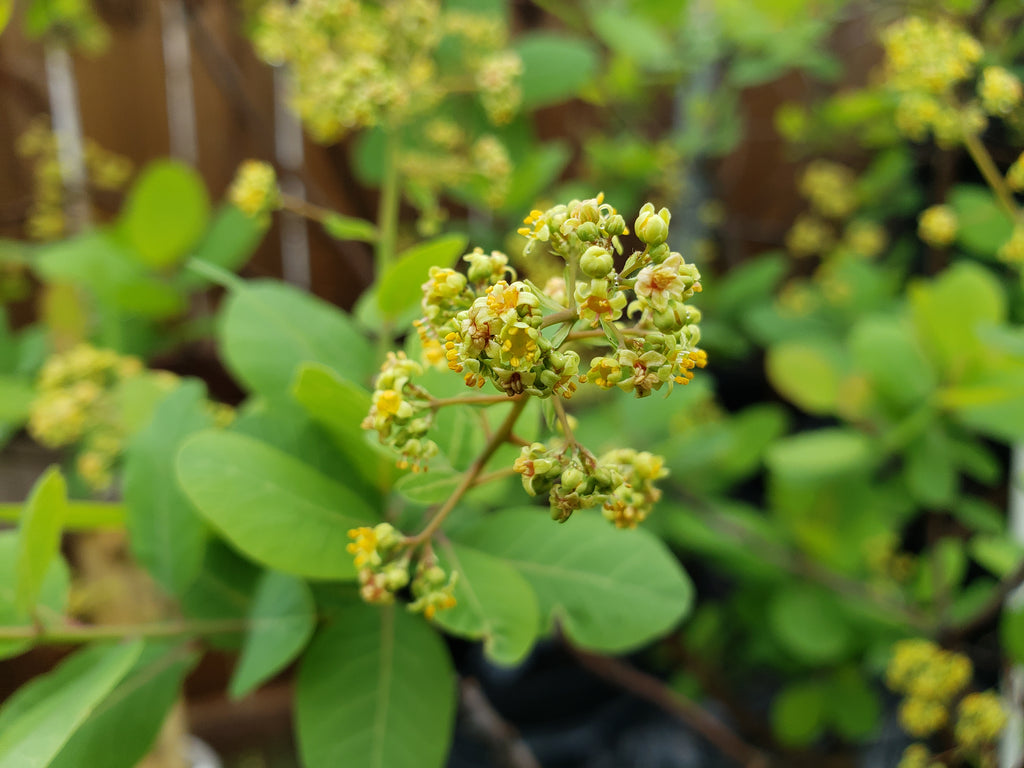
[(938, 225)]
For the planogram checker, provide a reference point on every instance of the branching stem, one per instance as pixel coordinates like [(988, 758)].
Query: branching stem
[(87, 633), (500, 436)]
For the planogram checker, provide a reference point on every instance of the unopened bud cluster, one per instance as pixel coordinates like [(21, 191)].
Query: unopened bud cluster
[(254, 189), (938, 225), (933, 682), (621, 481), (75, 403), (400, 412), (926, 61), (105, 171), (383, 561), (357, 64)]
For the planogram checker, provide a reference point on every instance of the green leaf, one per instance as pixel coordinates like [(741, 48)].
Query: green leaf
[(611, 590), (122, 729), (855, 709), (494, 603), (808, 374), (349, 228), (283, 617), (166, 213), (798, 714), (167, 536), (556, 67), (886, 350), (930, 470), (820, 454), (634, 37), (53, 594), (809, 624), (16, 396), (982, 226), (33, 735), (375, 690), (269, 329), (223, 589), (39, 535), (399, 287), (431, 487), (1011, 634), (271, 506), (458, 435), (950, 338), (6, 6), (230, 240), (104, 266), (998, 555), (340, 407)]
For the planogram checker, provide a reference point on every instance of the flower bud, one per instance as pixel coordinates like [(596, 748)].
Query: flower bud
[(615, 225), (573, 478), (589, 211), (588, 231), (651, 227), (596, 262)]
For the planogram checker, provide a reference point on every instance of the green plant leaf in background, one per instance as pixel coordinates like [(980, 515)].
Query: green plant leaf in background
[(376, 690), (494, 603), (166, 213), (271, 506), (229, 241), (610, 590), (53, 593), (340, 406), (283, 617), (38, 721), (39, 535), (885, 349), (431, 487), (16, 396), (809, 624), (122, 729), (798, 714), (399, 287), (349, 228), (555, 67), (982, 226), (807, 373), (6, 6), (269, 329), (167, 535), (223, 590)]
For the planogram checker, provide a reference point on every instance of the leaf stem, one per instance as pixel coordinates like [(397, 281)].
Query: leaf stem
[(303, 208), (87, 633), (497, 439), (558, 317), (442, 402), (981, 157)]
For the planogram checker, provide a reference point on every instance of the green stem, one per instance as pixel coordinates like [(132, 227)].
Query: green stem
[(981, 157), (560, 316), (87, 633), (387, 214), (469, 479), (473, 400), (304, 208)]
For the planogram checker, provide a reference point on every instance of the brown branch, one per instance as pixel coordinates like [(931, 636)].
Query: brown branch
[(651, 689), (507, 747)]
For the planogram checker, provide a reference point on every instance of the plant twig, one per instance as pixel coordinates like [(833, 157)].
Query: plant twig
[(87, 633), (509, 749), (981, 157), (469, 478), (650, 688)]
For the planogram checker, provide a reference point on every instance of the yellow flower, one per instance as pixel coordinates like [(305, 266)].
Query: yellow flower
[(937, 225), (254, 190), (980, 720)]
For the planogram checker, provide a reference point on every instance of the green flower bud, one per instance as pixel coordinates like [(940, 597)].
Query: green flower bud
[(573, 478), (589, 212), (615, 225), (588, 231), (651, 227), (596, 262), (659, 253)]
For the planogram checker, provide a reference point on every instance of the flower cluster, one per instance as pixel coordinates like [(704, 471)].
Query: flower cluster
[(621, 482), (76, 403), (254, 189), (383, 559), (357, 64), (830, 188), (925, 61), (401, 413), (931, 680), (106, 171)]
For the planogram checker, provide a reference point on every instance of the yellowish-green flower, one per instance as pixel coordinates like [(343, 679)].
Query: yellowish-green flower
[(254, 189), (980, 719), (1000, 90), (938, 225)]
